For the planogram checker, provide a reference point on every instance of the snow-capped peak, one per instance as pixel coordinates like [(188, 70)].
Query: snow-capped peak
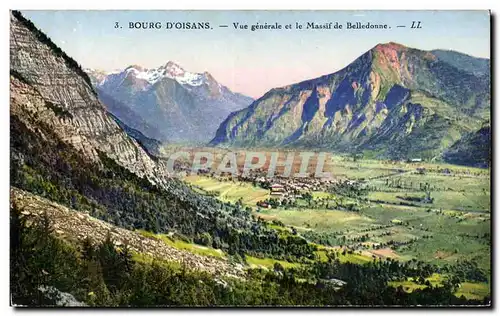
[(169, 70), (173, 69), (149, 77)]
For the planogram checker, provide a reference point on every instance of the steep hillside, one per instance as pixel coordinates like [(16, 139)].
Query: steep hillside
[(65, 147), (474, 149), (473, 65), (150, 145), (51, 94), (393, 101), (75, 226)]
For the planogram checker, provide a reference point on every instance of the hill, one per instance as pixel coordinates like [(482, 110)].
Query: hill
[(393, 101)]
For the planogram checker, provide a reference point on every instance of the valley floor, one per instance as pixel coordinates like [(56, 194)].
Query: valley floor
[(388, 221), (392, 219)]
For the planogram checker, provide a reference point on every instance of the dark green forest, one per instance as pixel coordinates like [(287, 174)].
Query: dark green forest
[(114, 194), (102, 275), (46, 269)]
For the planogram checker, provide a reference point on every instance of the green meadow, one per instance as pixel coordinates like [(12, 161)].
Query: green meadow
[(393, 219)]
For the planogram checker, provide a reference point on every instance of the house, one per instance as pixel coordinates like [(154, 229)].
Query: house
[(263, 204), (277, 190), (277, 187), (415, 160)]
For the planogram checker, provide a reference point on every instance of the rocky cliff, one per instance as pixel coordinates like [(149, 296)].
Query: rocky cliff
[(67, 149), (49, 91)]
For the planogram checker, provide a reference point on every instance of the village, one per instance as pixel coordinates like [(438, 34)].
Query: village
[(337, 192), (282, 190)]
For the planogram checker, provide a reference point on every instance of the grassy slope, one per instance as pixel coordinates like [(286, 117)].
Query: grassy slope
[(229, 191), (470, 290), (182, 245), (455, 198)]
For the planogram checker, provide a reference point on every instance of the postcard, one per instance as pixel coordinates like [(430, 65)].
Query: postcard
[(250, 158)]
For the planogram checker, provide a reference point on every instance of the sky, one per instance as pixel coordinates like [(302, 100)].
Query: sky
[(254, 62)]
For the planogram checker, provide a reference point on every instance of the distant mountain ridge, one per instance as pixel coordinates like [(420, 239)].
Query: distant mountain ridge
[(151, 146), (55, 101), (167, 103), (65, 147), (475, 65), (393, 101), (473, 149)]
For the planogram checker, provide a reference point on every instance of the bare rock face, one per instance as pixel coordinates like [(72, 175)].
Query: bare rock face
[(393, 101), (61, 132), (49, 89)]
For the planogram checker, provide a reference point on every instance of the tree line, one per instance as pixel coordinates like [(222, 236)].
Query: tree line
[(105, 275)]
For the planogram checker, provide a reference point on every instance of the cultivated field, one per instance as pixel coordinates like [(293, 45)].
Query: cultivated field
[(432, 212)]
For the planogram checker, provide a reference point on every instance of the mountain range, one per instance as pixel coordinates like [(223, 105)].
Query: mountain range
[(53, 102), (473, 149), (69, 154), (167, 103), (393, 101), (96, 219)]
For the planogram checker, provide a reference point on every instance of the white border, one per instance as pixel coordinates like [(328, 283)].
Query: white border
[(212, 5)]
